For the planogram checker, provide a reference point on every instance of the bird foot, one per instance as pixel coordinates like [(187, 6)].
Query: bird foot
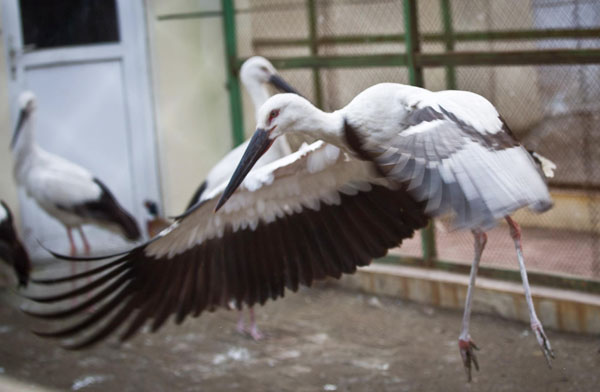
[(466, 347), (543, 341), (253, 331)]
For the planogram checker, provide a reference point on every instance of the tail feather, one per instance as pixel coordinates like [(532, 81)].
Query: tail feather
[(107, 209), (544, 163), (128, 225)]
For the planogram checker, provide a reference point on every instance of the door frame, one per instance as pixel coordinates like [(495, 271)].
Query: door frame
[(133, 52)]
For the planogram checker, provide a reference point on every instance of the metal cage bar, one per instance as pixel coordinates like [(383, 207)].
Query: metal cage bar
[(314, 49), (446, 11), (415, 77), (233, 84), (415, 61), (504, 35)]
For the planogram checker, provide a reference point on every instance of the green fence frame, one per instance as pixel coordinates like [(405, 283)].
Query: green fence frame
[(415, 62)]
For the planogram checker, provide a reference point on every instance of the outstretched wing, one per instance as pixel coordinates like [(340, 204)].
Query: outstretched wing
[(312, 214), (455, 153)]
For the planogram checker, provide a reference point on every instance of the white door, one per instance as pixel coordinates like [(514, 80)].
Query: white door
[(86, 60)]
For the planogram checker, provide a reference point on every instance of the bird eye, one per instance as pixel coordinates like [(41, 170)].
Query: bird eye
[(264, 69), (274, 113)]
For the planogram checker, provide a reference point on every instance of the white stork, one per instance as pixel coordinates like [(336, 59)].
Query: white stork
[(407, 154), (12, 250), (255, 73), (65, 191)]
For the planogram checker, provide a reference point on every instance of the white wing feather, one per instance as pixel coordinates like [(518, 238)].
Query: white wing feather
[(280, 188)]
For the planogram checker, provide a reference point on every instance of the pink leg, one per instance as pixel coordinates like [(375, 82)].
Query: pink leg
[(241, 328), (86, 244), (86, 250), (536, 325), (71, 242), (465, 344), (254, 331), (73, 253)]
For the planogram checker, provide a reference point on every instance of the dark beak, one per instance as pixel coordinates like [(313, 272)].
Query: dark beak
[(258, 145), (22, 117), (282, 85)]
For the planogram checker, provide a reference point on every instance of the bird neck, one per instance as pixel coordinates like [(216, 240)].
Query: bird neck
[(258, 94), (322, 125), (26, 151)]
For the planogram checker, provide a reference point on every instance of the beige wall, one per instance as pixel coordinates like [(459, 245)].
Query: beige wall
[(8, 189), (191, 99)]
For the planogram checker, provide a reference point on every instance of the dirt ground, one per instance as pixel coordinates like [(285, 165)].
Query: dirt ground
[(322, 339)]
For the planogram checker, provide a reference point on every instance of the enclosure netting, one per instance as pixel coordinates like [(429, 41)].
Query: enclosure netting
[(553, 109)]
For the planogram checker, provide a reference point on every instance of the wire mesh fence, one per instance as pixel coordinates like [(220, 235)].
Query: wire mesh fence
[(552, 106)]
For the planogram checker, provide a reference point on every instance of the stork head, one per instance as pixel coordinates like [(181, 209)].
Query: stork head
[(281, 114), (259, 70), (27, 105)]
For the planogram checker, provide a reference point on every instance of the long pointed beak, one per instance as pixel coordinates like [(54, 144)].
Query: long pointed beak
[(258, 145), (282, 85), (20, 121)]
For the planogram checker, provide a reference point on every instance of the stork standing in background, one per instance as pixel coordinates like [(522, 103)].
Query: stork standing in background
[(65, 191), (12, 250), (255, 73), (404, 154)]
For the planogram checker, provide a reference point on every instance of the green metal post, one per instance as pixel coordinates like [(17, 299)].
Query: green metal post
[(233, 84), (314, 49), (413, 46), (449, 38), (415, 75), (464, 36)]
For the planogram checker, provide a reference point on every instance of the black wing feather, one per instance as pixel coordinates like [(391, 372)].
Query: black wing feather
[(247, 265)]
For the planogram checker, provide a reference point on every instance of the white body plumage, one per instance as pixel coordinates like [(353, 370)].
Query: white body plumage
[(399, 156), (63, 189)]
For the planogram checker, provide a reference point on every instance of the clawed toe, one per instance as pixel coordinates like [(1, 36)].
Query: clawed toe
[(544, 343), (466, 348)]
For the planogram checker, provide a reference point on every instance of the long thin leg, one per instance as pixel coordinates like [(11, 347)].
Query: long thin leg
[(465, 344), (72, 243), (86, 250), (86, 244), (254, 331), (536, 325), (241, 328), (73, 253)]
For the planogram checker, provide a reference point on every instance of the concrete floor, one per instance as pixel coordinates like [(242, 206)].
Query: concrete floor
[(322, 339)]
